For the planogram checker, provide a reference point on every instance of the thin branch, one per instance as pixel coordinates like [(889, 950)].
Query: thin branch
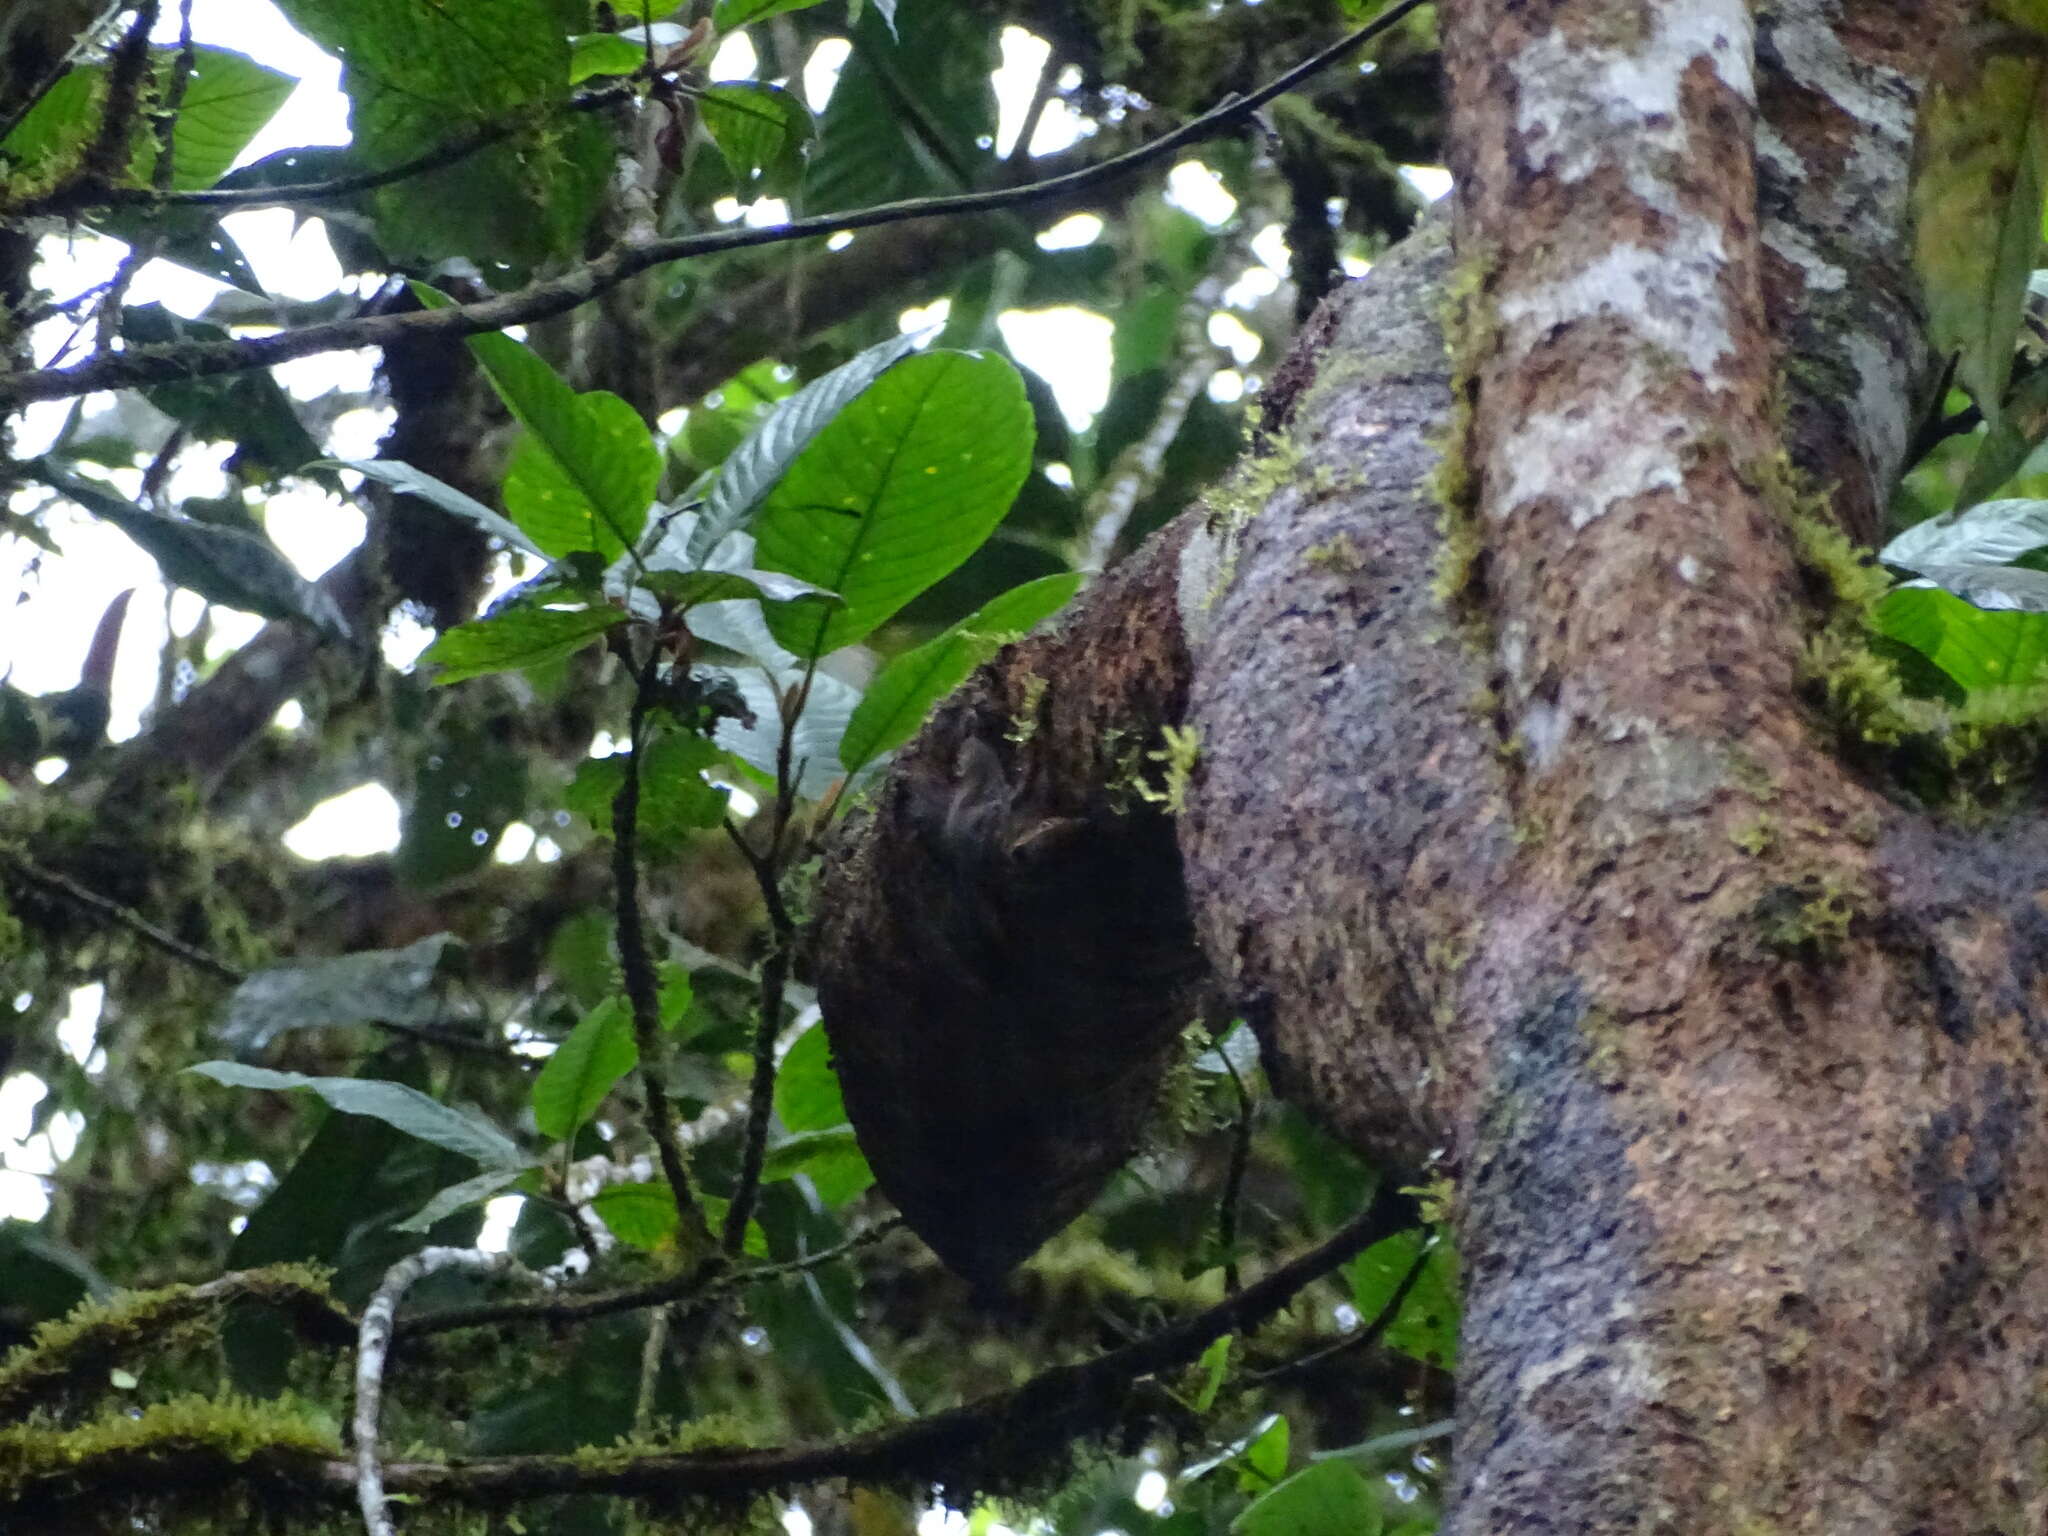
[(554, 296), (1041, 94), (72, 197), (374, 1345), (112, 911), (127, 72), (561, 1310), (1365, 1337), (643, 990), (1137, 470), (1240, 1159), (767, 870), (1065, 1402), (1059, 1405)]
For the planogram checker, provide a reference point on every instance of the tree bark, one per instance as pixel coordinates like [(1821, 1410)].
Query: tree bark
[(1531, 834)]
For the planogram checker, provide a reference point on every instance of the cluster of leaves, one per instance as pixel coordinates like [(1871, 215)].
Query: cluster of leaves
[(1970, 617)]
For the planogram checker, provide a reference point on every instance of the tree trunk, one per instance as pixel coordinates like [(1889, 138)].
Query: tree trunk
[(1540, 823)]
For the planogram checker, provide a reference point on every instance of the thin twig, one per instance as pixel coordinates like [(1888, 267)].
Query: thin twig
[(558, 1311), (127, 72), (1233, 1180), (1365, 1337), (554, 296), (1041, 94), (71, 196), (91, 901), (767, 870), (643, 990), (1136, 471), (374, 1345)]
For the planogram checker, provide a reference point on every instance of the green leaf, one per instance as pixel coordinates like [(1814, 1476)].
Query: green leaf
[(405, 1109), (732, 14), (2010, 443), (1976, 196), (911, 110), (807, 1096), (227, 101), (752, 469), (223, 565), (1427, 1326), (456, 1196), (675, 797), (684, 590), (1989, 533), (586, 474), (519, 636), (1214, 1366), (247, 409), (584, 1068), (831, 1160), (639, 1215), (417, 482), (604, 53), (1325, 1498), (896, 491), (1978, 649), (904, 691), (389, 986), (761, 131), (1264, 1461), (422, 75), (585, 477)]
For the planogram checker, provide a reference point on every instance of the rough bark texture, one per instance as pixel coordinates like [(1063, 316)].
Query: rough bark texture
[(1519, 835), (1007, 960)]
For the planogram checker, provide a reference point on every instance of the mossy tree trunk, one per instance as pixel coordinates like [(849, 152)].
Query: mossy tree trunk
[(1535, 819)]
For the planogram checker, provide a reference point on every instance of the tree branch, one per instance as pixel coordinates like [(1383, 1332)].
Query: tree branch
[(554, 296), (1036, 1421)]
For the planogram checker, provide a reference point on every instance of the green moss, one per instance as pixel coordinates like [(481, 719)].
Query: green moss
[(1182, 749), (1024, 723), (1810, 915), (1338, 555), (1755, 836), (1470, 335)]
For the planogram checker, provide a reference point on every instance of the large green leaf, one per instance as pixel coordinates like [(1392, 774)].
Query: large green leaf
[(1989, 533), (903, 693), (389, 986), (1977, 648), (913, 112), (1325, 1498), (520, 636), (223, 565), (751, 470), (1976, 199), (761, 131), (1427, 1324), (420, 74), (406, 1109), (585, 475), (584, 1068), (899, 488), (831, 1160), (807, 1095)]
